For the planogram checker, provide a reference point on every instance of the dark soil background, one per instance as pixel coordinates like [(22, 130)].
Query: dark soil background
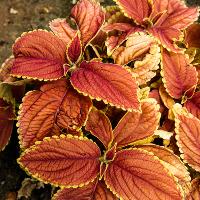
[(16, 17)]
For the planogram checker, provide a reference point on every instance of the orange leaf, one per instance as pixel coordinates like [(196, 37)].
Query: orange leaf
[(54, 107), (172, 163), (108, 82), (137, 44), (179, 76), (195, 190), (6, 123), (187, 130), (39, 55), (193, 105), (138, 174), (135, 9), (74, 50), (64, 161), (62, 29), (174, 16), (136, 126), (145, 70), (166, 99), (89, 18), (99, 125), (96, 190)]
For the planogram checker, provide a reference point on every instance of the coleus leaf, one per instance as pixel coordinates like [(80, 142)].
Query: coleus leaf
[(96, 190), (166, 98), (89, 18), (55, 106), (39, 55), (136, 126), (172, 163), (145, 69), (179, 76), (7, 116), (74, 50), (108, 82), (195, 190), (193, 105), (135, 9), (62, 29), (191, 36), (64, 161), (187, 130), (99, 125), (175, 17), (138, 174), (136, 45)]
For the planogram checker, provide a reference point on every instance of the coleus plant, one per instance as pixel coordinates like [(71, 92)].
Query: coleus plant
[(106, 85)]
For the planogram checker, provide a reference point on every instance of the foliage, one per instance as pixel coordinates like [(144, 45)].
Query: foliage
[(112, 107)]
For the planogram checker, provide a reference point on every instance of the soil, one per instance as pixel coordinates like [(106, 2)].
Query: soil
[(16, 17)]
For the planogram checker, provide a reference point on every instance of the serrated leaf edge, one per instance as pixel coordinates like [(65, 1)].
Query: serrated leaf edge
[(48, 139), (179, 188)]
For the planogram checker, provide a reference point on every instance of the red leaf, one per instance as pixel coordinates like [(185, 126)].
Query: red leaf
[(193, 105), (99, 125), (89, 18), (166, 36), (40, 55), (92, 191), (54, 107), (6, 123), (65, 161), (191, 36), (135, 9), (176, 16), (63, 30), (74, 50), (136, 126), (137, 174), (178, 74), (187, 130), (172, 163), (108, 82)]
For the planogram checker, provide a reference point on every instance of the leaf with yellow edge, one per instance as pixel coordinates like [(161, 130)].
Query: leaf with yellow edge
[(137, 44), (138, 174), (172, 163), (54, 107), (187, 130), (179, 76), (99, 125), (166, 99), (62, 29), (74, 49), (195, 190), (108, 82), (89, 17), (96, 190), (193, 105), (136, 126), (145, 70), (64, 161), (39, 55), (135, 9)]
